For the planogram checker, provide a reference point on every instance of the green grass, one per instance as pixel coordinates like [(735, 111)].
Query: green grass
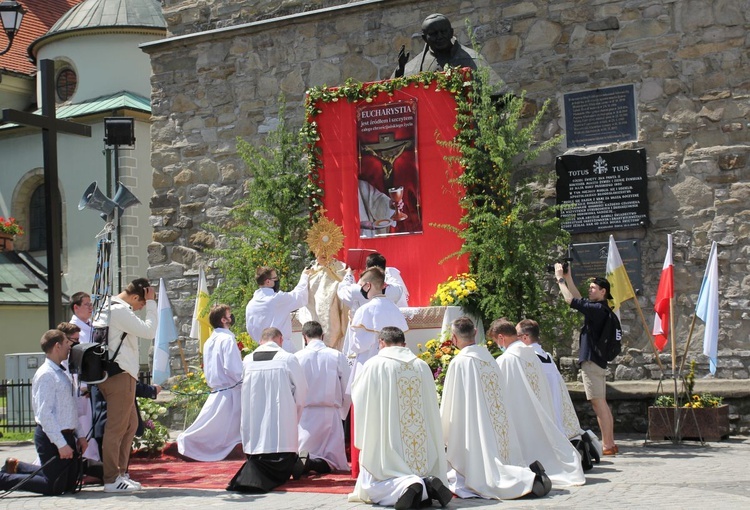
[(14, 437)]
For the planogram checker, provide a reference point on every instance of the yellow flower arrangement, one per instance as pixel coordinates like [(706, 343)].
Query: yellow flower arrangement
[(459, 290), (438, 353), (190, 393)]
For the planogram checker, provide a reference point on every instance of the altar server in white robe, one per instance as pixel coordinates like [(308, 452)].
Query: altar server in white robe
[(83, 308), (273, 395), (482, 443), (272, 308), (369, 319), (321, 432), (398, 429), (216, 430), (392, 279), (377, 313), (395, 289), (523, 381), (564, 412)]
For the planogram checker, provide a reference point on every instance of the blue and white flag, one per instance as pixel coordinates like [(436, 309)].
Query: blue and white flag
[(165, 334), (707, 308)]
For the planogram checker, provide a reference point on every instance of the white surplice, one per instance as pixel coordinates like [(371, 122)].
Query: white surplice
[(376, 314), (321, 432), (393, 279), (273, 395), (481, 442), (397, 426), (216, 430), (564, 413), (538, 435), (269, 309)]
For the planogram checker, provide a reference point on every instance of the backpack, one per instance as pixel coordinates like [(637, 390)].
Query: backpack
[(609, 344), (91, 361)]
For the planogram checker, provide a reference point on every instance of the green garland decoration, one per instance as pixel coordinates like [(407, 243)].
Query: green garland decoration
[(453, 79)]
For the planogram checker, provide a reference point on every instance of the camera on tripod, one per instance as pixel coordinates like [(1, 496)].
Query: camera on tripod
[(565, 264)]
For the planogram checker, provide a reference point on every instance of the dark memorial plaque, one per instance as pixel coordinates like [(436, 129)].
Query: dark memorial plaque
[(603, 191), (589, 260), (594, 117)]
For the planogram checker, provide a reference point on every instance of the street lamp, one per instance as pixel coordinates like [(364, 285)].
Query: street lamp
[(11, 15)]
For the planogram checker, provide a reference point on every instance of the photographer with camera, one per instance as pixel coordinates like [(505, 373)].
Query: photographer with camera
[(595, 311), (125, 327)]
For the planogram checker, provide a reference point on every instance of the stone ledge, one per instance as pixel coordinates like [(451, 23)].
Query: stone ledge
[(638, 390)]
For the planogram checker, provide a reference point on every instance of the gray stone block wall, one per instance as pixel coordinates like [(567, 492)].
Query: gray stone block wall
[(688, 60)]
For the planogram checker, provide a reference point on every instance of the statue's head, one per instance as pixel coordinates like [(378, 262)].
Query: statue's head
[(437, 32)]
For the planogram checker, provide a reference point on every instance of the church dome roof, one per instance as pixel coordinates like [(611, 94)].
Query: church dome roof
[(123, 16)]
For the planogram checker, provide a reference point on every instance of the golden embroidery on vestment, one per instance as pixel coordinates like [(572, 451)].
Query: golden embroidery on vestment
[(494, 397), (413, 426), (533, 377)]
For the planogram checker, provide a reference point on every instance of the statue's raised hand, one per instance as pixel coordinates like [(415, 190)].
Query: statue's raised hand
[(403, 58)]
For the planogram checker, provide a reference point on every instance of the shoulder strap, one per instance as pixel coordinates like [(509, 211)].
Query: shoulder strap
[(122, 339), (124, 333)]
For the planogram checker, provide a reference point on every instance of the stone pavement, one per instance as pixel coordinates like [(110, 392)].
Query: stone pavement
[(651, 475)]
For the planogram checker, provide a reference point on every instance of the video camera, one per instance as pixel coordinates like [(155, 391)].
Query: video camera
[(565, 264)]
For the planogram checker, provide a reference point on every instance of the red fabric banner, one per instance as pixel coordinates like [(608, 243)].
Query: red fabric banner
[(420, 256), (664, 296)]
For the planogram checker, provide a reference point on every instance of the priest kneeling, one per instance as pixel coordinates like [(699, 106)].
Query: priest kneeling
[(398, 431), (483, 454)]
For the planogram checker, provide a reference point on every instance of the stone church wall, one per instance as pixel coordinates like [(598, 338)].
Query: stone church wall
[(219, 78)]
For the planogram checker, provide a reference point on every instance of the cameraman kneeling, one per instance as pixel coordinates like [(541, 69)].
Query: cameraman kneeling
[(55, 438)]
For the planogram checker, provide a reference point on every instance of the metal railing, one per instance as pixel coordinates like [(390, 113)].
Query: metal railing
[(18, 414)]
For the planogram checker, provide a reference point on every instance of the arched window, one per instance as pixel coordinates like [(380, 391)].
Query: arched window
[(38, 220)]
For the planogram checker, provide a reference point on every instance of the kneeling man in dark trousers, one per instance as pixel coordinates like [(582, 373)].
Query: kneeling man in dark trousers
[(273, 396), (57, 442)]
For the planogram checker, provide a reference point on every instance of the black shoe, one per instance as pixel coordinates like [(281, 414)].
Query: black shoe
[(583, 450), (320, 466), (411, 497), (437, 490), (586, 438), (300, 467), (542, 484)]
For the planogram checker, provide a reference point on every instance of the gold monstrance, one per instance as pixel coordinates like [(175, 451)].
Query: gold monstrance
[(325, 239)]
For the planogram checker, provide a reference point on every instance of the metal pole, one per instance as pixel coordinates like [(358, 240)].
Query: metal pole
[(118, 224)]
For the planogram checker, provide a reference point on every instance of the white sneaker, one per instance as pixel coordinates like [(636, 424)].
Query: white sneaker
[(137, 485), (120, 485)]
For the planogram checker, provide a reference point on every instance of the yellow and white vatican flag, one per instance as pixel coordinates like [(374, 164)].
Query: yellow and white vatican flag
[(619, 282), (201, 329)]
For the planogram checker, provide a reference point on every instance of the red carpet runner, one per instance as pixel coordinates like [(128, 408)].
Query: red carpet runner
[(169, 470)]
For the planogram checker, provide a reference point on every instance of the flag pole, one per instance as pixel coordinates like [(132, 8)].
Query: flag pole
[(650, 336), (182, 356), (687, 344), (677, 437), (671, 334)]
